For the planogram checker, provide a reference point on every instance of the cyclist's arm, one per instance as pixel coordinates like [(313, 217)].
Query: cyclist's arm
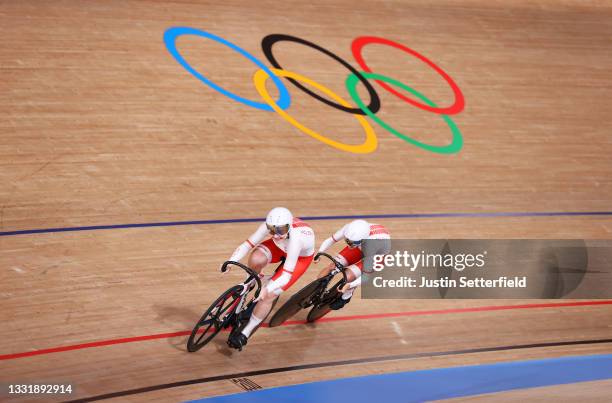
[(244, 248), (337, 236), (293, 253)]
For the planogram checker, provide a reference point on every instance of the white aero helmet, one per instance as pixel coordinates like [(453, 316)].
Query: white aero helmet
[(279, 221), (356, 232)]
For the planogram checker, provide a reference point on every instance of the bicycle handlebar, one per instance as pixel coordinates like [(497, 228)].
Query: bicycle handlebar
[(250, 272), (338, 265)]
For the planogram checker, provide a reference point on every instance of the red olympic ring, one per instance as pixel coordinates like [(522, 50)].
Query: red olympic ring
[(455, 108)]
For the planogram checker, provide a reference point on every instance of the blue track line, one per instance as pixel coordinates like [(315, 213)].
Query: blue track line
[(437, 383), (310, 218)]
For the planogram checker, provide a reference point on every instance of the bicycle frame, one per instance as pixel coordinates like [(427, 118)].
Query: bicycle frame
[(231, 315), (318, 296), (252, 275), (246, 287)]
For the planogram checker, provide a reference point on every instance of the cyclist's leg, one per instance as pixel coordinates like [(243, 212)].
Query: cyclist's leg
[(265, 253), (258, 260), (262, 309), (353, 272), (281, 281), (371, 248)]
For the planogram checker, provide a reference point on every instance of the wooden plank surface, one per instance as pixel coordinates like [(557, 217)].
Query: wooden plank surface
[(99, 125)]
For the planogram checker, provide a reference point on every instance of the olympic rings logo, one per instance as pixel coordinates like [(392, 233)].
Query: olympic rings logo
[(332, 99)]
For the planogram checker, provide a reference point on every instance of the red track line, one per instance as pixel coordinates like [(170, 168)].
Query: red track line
[(299, 322), (456, 310)]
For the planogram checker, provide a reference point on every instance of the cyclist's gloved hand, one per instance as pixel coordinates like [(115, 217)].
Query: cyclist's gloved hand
[(234, 258)]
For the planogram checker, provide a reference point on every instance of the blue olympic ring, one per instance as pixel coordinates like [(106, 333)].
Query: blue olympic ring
[(172, 34)]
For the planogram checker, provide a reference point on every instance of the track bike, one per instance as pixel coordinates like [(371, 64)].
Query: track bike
[(319, 294), (232, 309)]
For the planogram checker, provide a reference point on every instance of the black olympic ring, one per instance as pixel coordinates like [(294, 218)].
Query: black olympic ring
[(266, 46)]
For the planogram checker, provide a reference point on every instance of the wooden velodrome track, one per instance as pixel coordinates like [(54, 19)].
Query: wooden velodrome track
[(101, 126)]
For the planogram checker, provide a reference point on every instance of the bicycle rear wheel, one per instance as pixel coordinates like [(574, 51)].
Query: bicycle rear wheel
[(215, 318), (299, 300)]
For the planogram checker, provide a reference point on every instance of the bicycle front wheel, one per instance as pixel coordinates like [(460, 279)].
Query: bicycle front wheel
[(214, 319)]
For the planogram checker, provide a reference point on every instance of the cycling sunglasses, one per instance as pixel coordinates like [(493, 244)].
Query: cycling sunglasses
[(278, 229), (352, 243)]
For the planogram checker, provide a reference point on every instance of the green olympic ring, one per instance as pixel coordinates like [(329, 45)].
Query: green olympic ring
[(453, 147)]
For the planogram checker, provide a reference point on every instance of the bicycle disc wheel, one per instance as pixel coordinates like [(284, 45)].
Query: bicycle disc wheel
[(322, 308), (317, 312), (214, 319), (299, 300)]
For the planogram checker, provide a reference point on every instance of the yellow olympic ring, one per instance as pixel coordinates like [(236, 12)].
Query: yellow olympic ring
[(371, 141)]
